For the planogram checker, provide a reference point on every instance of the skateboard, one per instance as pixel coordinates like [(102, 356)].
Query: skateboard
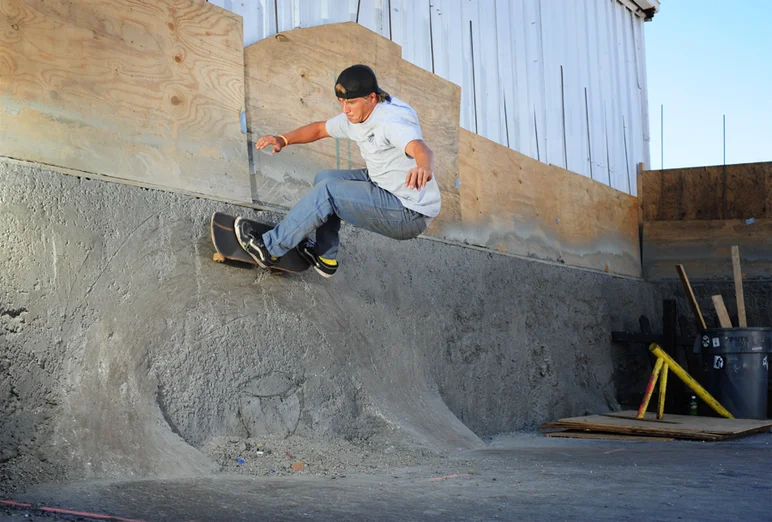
[(228, 248)]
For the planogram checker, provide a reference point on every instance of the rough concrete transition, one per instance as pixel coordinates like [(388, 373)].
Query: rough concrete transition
[(125, 350)]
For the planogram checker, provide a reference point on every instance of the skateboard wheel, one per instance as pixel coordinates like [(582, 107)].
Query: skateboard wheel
[(218, 257)]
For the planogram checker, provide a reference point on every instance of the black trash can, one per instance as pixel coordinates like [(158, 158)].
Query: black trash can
[(735, 365)]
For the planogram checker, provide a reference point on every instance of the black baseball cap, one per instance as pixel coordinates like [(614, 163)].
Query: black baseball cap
[(357, 82)]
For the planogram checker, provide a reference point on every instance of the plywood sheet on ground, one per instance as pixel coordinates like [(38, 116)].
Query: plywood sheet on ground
[(519, 205), (675, 426), (148, 91), (708, 193), (704, 248), (571, 434), (289, 81)]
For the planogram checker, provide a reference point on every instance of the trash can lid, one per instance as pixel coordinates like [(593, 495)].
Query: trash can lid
[(734, 340)]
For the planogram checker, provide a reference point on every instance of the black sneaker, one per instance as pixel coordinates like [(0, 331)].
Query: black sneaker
[(325, 267), (251, 240)]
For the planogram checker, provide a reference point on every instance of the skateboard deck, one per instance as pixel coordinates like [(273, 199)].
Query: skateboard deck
[(228, 248)]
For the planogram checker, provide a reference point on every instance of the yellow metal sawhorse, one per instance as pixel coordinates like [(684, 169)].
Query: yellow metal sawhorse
[(665, 363)]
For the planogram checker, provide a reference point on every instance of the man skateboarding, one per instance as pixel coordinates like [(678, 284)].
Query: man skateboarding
[(395, 196)]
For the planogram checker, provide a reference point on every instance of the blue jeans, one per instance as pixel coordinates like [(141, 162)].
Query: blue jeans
[(347, 195)]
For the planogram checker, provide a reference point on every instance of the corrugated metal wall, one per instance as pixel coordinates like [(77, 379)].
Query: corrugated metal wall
[(563, 81)]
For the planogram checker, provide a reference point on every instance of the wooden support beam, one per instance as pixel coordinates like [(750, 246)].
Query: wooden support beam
[(738, 287), (723, 315), (690, 295)]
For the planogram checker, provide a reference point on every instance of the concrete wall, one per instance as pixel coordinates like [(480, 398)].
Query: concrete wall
[(125, 347)]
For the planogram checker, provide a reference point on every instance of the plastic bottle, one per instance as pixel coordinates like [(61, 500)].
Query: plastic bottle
[(693, 406)]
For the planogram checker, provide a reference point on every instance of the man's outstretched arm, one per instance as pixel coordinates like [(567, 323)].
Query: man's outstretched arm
[(306, 134), (423, 172)]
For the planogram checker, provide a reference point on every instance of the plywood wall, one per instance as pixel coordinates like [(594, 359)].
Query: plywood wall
[(694, 216), (561, 81), (519, 205), (492, 196), (289, 82), (151, 92), (740, 191), (144, 90)]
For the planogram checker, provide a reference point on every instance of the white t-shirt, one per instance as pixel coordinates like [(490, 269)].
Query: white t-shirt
[(382, 139)]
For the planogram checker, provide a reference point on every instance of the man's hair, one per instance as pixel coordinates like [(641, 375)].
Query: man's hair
[(383, 96)]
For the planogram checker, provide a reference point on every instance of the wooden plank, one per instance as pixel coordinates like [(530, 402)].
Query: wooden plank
[(639, 430), (738, 286), (704, 248), (519, 205), (648, 417), (149, 91), (716, 425), (606, 436), (678, 426), (723, 315), (708, 193), (290, 79), (690, 296)]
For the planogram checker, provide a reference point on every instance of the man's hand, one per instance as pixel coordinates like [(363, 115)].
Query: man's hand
[(418, 177), (265, 141), (423, 172)]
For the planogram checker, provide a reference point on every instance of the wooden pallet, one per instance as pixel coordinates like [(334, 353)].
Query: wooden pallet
[(683, 427)]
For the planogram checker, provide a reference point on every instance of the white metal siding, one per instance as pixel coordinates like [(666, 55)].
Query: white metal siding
[(563, 81)]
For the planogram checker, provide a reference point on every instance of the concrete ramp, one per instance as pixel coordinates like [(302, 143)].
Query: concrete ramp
[(126, 348), (148, 347)]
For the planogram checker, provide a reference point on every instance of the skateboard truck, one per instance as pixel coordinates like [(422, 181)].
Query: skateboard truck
[(219, 258), (665, 363)]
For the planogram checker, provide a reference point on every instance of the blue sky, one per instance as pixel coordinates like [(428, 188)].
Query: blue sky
[(704, 59)]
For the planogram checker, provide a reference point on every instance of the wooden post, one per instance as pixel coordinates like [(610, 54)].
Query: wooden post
[(690, 296), (723, 315), (738, 287)]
